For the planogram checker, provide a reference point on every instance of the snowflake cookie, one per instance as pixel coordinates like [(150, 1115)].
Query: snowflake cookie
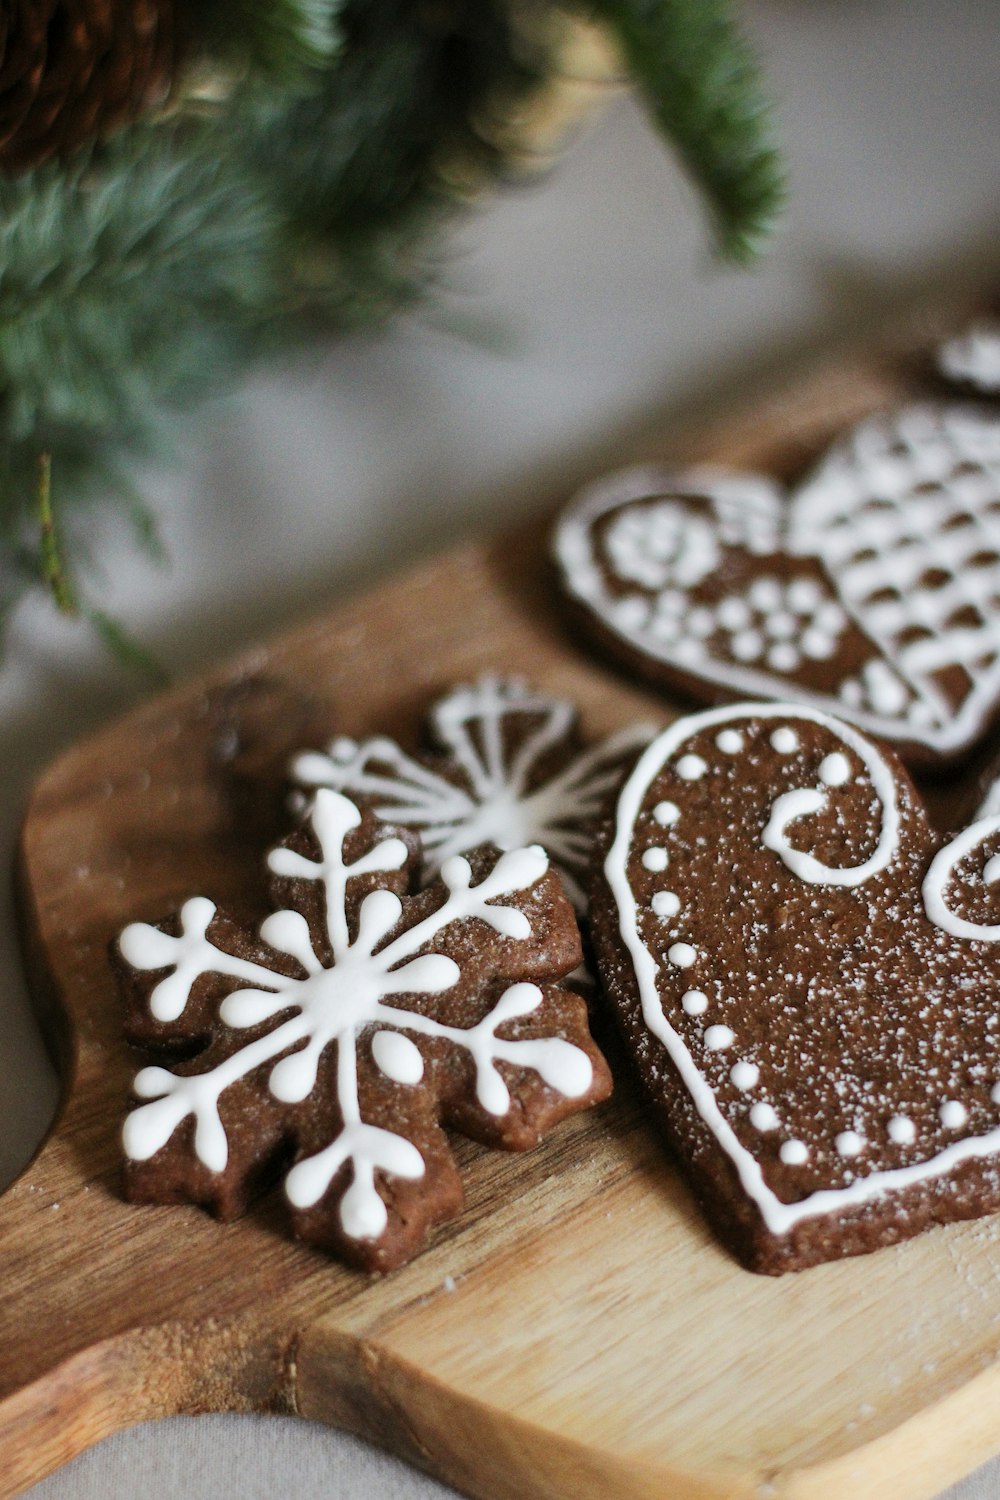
[(808, 980), (506, 767), (361, 1021), (872, 590)]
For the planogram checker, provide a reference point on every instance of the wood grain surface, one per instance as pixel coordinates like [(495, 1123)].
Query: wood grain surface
[(576, 1332)]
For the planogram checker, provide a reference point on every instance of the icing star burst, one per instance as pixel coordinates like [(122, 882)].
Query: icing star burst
[(508, 771), (363, 1002)]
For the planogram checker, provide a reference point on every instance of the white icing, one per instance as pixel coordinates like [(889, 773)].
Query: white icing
[(835, 769), (658, 544), (495, 806), (953, 1114), (877, 516), (748, 645), (991, 870), (974, 357), (694, 1002), (939, 875), (794, 1153), (734, 613), (780, 1217), (902, 1131), (745, 1075), (666, 904), (849, 1143), (718, 1038), (803, 802), (397, 1057), (818, 645), (785, 740), (666, 813), (783, 657), (691, 768), (729, 741), (995, 1093), (655, 859), (364, 988), (781, 626), (682, 954)]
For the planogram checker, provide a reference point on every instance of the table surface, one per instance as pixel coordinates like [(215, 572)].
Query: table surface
[(590, 305)]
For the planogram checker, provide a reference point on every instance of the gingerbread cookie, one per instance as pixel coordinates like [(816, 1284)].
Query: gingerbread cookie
[(808, 982), (871, 590), (506, 766), (360, 1021)]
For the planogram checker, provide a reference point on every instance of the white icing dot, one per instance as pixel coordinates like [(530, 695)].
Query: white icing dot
[(785, 740), (729, 741), (902, 1130), (691, 768), (794, 1153), (718, 1038), (343, 747), (748, 645), (764, 1117), (831, 617), (744, 1075), (851, 692), (804, 594), (991, 870), (765, 593), (695, 1002), (682, 954), (655, 859), (834, 769), (781, 626), (733, 613), (817, 644), (631, 612), (953, 1114), (783, 657), (666, 813), (666, 904), (849, 1143), (701, 622)]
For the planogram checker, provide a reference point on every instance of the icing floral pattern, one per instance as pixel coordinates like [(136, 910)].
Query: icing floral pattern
[(485, 787)]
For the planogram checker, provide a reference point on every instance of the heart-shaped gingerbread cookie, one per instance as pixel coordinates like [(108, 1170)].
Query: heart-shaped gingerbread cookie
[(872, 590), (808, 982)]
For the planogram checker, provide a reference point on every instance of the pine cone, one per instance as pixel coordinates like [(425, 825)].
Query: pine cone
[(71, 70)]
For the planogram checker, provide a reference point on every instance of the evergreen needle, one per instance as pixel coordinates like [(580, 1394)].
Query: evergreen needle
[(52, 568)]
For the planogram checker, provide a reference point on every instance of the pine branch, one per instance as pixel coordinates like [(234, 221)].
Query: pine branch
[(701, 84)]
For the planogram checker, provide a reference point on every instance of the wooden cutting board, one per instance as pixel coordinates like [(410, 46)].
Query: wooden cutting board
[(576, 1332)]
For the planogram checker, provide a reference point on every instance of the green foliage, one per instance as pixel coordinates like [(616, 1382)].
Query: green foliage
[(282, 41), (701, 84), (301, 180)]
